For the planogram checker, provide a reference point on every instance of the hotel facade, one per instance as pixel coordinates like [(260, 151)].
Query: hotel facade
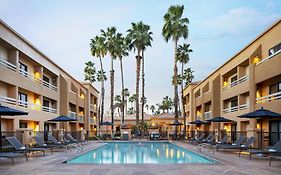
[(32, 82), (251, 79)]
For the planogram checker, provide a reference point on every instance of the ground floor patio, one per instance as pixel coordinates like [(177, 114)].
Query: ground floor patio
[(228, 163)]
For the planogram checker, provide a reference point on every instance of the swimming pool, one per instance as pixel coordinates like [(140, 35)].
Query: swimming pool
[(140, 153)]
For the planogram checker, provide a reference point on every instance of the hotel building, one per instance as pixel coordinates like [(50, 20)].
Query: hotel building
[(249, 80), (32, 82)]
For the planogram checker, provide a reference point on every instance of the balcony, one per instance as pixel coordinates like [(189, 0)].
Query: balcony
[(48, 109), (207, 115), (268, 98), (29, 105), (91, 120), (243, 106), (93, 107), (49, 85), (229, 110), (8, 100), (268, 67), (236, 82), (72, 115), (8, 65)]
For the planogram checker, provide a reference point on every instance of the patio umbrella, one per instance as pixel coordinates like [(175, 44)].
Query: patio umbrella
[(62, 119), (261, 114), (7, 111), (220, 120), (198, 122), (176, 123), (106, 123)]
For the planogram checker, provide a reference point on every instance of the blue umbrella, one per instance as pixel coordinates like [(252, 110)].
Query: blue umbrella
[(197, 122), (105, 123), (7, 111), (62, 118)]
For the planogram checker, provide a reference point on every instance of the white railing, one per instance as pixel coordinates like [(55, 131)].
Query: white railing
[(236, 82), (72, 115), (207, 115), (8, 64), (229, 110), (72, 92), (244, 106), (198, 117), (198, 96), (275, 96), (91, 120), (244, 78), (26, 74), (268, 58), (93, 107), (29, 105), (49, 85), (48, 109), (8, 100)]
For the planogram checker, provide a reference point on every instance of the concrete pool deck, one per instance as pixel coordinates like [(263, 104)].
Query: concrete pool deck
[(229, 163)]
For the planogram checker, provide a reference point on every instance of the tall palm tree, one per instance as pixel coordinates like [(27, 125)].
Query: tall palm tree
[(175, 27), (126, 94), (147, 107), (183, 58), (98, 49), (188, 76), (133, 99), (90, 72), (122, 50), (138, 38), (111, 45)]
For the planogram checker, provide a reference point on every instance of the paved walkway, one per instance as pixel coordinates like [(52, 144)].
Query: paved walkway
[(230, 164)]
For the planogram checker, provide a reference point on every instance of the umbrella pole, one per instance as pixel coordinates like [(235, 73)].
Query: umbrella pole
[(261, 135)]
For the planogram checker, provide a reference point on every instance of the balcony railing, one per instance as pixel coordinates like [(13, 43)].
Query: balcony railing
[(199, 116), (93, 107), (207, 115), (243, 106), (48, 109), (72, 115), (268, 58), (207, 91), (229, 110), (49, 85), (91, 120), (72, 92), (29, 105), (267, 98), (8, 100), (8, 64), (236, 82)]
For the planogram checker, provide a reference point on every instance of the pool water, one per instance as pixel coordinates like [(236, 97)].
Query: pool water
[(140, 153)]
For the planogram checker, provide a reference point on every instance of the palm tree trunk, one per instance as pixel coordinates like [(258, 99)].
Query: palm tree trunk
[(112, 94), (123, 98), (102, 92), (142, 105), (182, 100), (137, 87), (176, 97)]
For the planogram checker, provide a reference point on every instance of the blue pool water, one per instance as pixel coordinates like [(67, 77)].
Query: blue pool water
[(139, 153)]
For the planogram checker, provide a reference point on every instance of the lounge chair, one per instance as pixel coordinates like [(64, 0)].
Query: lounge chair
[(237, 143), (223, 141), (19, 147), (205, 140), (12, 155), (274, 158), (73, 140), (40, 142), (197, 138), (275, 150), (54, 141)]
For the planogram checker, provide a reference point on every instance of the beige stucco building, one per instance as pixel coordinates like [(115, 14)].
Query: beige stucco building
[(249, 80), (32, 82)]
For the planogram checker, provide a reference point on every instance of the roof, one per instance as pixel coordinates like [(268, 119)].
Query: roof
[(165, 115), (133, 117)]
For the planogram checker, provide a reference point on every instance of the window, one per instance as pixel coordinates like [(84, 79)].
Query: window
[(23, 124), (233, 79), (23, 69), (22, 99), (46, 79), (274, 49), (275, 88), (46, 103), (234, 103)]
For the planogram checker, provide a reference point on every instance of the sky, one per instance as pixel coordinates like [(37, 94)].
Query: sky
[(62, 29)]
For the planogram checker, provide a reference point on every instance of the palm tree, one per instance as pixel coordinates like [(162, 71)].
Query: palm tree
[(98, 49), (90, 72), (132, 99), (147, 107), (138, 38), (122, 50), (118, 103), (174, 28), (152, 108), (188, 76), (183, 58), (111, 45)]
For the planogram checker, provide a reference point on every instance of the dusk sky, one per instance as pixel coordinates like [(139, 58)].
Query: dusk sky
[(63, 29)]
